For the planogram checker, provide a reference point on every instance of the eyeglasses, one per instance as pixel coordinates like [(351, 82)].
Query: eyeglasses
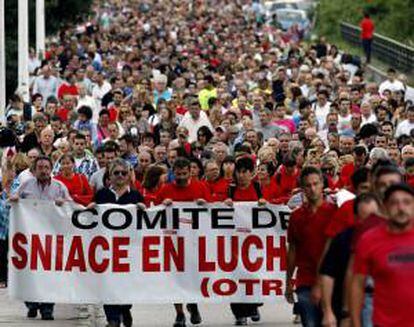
[(120, 173)]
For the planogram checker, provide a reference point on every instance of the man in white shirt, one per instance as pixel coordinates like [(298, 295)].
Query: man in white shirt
[(391, 83), (367, 116), (405, 127), (344, 117), (321, 108), (86, 100), (194, 118), (100, 88), (46, 84)]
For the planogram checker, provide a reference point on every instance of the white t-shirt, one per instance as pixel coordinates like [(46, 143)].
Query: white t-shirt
[(404, 128), (392, 86)]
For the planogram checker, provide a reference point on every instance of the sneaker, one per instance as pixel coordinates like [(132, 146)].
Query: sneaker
[(179, 320), (256, 316), (242, 321), (47, 316), (195, 316), (32, 313), (127, 318), (296, 320)]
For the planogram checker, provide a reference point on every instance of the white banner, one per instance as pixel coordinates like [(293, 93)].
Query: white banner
[(120, 254)]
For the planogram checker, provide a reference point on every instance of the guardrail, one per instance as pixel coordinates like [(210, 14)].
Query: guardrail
[(396, 54)]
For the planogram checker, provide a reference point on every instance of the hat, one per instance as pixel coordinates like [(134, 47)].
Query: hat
[(398, 187)]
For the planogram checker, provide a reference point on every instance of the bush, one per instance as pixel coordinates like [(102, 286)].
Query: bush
[(392, 18)]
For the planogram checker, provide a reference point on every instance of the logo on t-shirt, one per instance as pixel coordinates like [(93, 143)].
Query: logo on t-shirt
[(402, 257)]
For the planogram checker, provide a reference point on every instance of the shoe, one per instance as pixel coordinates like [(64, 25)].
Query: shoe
[(179, 320), (195, 316), (296, 320), (127, 318), (255, 316), (32, 313), (113, 324), (242, 321), (47, 316)]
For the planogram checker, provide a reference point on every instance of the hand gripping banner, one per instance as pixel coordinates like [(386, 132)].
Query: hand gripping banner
[(121, 254)]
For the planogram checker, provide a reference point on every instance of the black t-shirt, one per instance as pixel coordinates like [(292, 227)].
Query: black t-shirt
[(335, 264), (106, 195)]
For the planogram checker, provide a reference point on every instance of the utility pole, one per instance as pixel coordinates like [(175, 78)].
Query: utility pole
[(23, 49), (40, 29), (2, 64)]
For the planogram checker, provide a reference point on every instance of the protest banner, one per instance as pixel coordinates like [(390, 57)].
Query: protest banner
[(122, 254)]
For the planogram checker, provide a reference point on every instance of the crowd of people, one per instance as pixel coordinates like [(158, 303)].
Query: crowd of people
[(155, 102)]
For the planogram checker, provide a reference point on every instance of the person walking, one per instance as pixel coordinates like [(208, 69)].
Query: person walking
[(42, 187), (119, 192), (367, 34)]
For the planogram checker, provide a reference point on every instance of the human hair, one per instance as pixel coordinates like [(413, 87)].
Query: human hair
[(85, 110), (244, 163), (307, 171), (42, 158), (80, 136), (361, 175), (152, 176), (118, 162), (67, 156), (364, 198), (387, 169), (199, 165), (181, 163)]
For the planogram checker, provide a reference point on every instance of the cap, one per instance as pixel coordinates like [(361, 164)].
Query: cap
[(398, 187)]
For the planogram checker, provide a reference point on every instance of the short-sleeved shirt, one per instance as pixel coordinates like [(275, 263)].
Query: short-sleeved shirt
[(32, 189), (193, 191), (307, 231), (389, 259)]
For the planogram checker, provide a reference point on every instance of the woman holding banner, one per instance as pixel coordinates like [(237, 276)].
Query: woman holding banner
[(119, 192), (245, 189)]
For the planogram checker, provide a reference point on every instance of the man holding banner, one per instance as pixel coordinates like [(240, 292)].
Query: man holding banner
[(42, 187), (120, 193), (184, 189)]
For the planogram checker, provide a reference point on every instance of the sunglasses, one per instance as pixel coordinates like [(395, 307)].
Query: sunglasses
[(120, 173)]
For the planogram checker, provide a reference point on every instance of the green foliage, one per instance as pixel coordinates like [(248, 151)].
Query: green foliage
[(392, 18), (58, 14)]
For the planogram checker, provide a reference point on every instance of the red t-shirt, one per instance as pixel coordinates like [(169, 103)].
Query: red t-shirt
[(307, 231), (247, 194), (150, 197), (286, 183), (367, 29), (218, 189), (389, 259), (344, 218), (269, 192), (67, 89), (193, 191), (63, 114), (78, 187)]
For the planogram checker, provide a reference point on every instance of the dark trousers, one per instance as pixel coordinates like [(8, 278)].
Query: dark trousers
[(4, 249), (44, 308), (310, 314), (242, 310), (366, 45), (114, 313)]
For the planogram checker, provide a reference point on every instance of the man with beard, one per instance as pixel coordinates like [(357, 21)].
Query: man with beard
[(386, 253), (184, 189)]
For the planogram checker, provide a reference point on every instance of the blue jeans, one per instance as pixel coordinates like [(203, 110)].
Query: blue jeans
[(367, 311), (114, 313), (44, 308), (310, 314)]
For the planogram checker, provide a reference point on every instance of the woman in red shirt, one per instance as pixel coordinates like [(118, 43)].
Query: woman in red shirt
[(154, 178), (268, 186), (77, 184)]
